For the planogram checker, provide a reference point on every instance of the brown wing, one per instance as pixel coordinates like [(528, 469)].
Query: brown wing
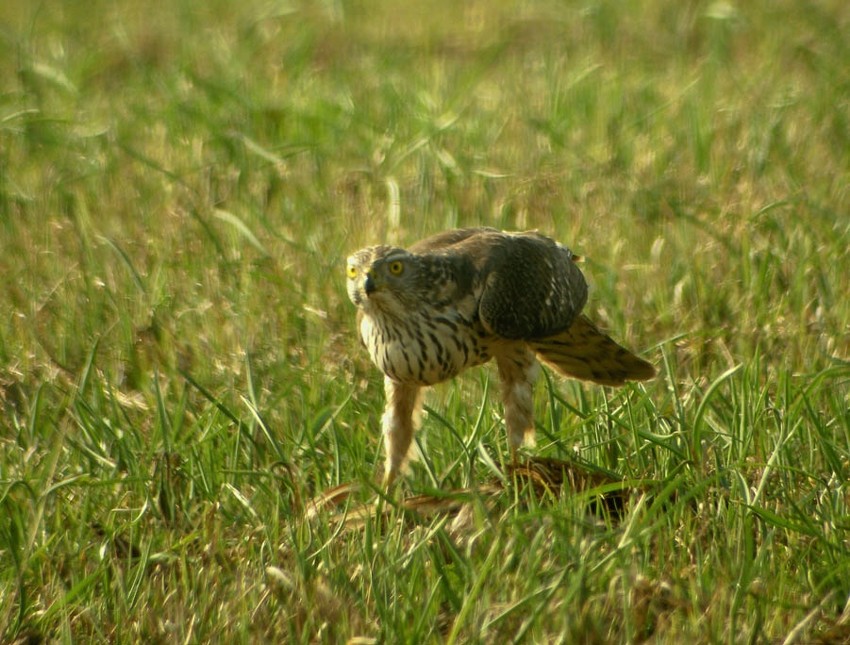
[(531, 286), (447, 239)]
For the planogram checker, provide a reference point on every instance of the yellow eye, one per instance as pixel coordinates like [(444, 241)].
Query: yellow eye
[(351, 271), (397, 267)]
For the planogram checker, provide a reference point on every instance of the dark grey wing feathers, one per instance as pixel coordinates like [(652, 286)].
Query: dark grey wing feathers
[(447, 239), (532, 287)]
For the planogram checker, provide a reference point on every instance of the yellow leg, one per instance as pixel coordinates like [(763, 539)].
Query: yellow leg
[(517, 373), (400, 420), (388, 480)]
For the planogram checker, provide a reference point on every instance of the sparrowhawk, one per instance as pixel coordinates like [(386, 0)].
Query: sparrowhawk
[(462, 297)]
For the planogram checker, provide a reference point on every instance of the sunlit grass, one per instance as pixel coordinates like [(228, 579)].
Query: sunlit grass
[(179, 373)]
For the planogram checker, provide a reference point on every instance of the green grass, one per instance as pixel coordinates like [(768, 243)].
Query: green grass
[(179, 186)]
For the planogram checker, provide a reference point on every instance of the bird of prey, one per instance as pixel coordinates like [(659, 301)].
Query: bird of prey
[(462, 297)]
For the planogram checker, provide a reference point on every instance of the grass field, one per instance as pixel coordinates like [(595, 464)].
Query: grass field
[(179, 186)]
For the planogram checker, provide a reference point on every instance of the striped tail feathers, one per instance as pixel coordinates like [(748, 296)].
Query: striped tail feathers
[(584, 352)]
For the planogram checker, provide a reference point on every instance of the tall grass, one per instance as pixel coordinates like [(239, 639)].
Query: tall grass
[(179, 372)]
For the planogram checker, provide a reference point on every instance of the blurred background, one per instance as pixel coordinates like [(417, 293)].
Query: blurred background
[(203, 170)]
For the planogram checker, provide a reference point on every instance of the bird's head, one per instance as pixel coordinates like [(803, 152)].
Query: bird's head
[(383, 279)]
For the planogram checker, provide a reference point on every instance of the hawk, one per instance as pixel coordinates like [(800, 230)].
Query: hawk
[(463, 297)]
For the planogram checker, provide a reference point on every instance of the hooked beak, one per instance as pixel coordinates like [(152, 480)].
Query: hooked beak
[(369, 285)]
